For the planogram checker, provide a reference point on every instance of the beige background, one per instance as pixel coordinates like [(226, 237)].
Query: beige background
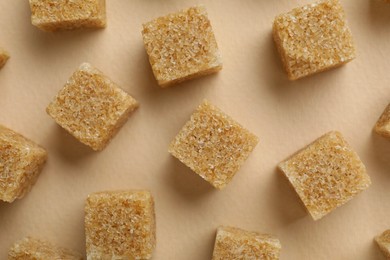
[(252, 88)]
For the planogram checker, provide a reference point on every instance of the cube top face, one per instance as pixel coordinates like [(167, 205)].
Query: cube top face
[(326, 174), (382, 127), (181, 46), (213, 145), (234, 243), (21, 161), (91, 107), (383, 241), (4, 56), (313, 38), (53, 15), (120, 225)]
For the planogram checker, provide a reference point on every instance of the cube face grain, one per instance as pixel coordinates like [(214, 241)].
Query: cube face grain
[(21, 161), (91, 107), (213, 145), (235, 244), (181, 46), (326, 174), (54, 15), (4, 56), (120, 225), (383, 242), (313, 38), (35, 249), (382, 127)]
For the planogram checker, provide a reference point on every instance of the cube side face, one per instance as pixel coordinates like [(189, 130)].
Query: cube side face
[(181, 46), (91, 107), (383, 242), (213, 145), (313, 38), (120, 225), (4, 56), (382, 127), (326, 174), (50, 15)]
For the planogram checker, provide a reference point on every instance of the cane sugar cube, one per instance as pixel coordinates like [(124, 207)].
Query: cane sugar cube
[(213, 145), (120, 225), (35, 249), (234, 243), (55, 15), (91, 107), (382, 127), (4, 56), (21, 161), (313, 38), (326, 174), (181, 46), (383, 241)]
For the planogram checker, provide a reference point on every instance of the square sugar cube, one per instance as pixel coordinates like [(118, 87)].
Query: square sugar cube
[(213, 145), (120, 225), (234, 243), (21, 161), (382, 127), (91, 107), (4, 56), (181, 46), (326, 174), (313, 38), (383, 242), (54, 15)]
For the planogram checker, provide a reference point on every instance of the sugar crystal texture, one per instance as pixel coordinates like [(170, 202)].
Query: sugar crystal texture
[(383, 241), (91, 107), (35, 249), (181, 46), (120, 225), (4, 56), (326, 174), (382, 127), (213, 145), (54, 15), (313, 38), (21, 161), (237, 244)]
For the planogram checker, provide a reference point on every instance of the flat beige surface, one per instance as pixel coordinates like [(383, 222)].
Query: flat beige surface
[(252, 88)]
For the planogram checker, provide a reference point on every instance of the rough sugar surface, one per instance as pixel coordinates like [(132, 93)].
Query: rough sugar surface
[(21, 161), (237, 244), (91, 107), (383, 241), (313, 38), (120, 225), (4, 56), (181, 46), (50, 15), (382, 127), (326, 174), (213, 145)]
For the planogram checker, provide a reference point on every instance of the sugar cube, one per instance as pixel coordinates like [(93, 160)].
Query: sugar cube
[(382, 127), (383, 241)]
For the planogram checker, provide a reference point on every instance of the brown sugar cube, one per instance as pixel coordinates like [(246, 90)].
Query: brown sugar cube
[(213, 145), (120, 225), (21, 161), (181, 46), (382, 127), (326, 174), (234, 243), (35, 249), (383, 241), (91, 107), (4, 56), (54, 15), (313, 38)]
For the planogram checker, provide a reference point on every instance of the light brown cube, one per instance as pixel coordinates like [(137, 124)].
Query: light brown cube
[(213, 145), (326, 174), (4, 56), (181, 46), (235, 244), (383, 241), (54, 15), (382, 127), (91, 107), (35, 249), (120, 225), (313, 38), (21, 161)]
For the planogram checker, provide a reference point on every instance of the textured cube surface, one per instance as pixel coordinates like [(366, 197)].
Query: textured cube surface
[(120, 225), (21, 161), (213, 145), (91, 107), (4, 56), (313, 38), (235, 244), (326, 174), (181, 46), (383, 241), (35, 249), (382, 127), (53, 15)]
